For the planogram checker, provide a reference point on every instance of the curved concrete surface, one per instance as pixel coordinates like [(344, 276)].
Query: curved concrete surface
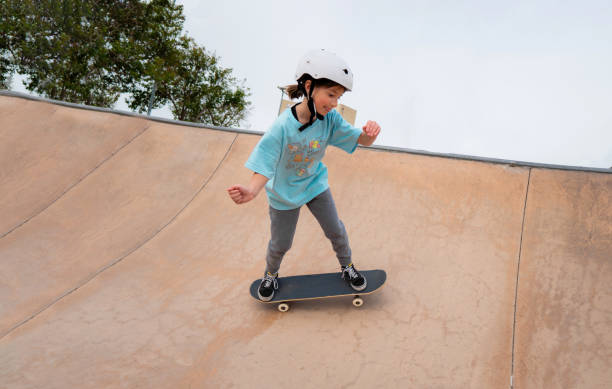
[(131, 267), (564, 323), (46, 150)]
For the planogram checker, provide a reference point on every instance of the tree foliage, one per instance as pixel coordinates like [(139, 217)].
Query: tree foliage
[(86, 51), (197, 88), (91, 51)]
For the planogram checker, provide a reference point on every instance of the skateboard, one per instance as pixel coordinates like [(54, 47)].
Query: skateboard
[(317, 286)]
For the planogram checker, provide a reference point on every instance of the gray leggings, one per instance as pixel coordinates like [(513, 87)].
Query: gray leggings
[(283, 225)]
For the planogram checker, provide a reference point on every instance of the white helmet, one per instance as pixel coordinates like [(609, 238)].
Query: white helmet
[(325, 64)]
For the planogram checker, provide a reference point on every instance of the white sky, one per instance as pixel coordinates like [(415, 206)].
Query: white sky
[(520, 80)]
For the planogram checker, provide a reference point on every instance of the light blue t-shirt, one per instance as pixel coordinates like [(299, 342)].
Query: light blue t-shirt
[(291, 159)]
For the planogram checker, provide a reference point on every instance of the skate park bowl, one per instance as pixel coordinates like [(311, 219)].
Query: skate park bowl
[(125, 264)]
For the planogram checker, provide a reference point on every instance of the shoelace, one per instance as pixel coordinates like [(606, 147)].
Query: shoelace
[(352, 273), (268, 279)]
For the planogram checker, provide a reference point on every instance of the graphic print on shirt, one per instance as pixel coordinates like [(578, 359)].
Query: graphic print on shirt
[(302, 156)]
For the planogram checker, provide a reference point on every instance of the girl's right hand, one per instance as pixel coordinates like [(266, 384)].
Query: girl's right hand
[(240, 194)]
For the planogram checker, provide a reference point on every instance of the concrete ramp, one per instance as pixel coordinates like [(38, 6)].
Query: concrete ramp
[(124, 264)]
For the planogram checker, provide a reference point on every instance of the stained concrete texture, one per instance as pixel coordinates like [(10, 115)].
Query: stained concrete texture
[(124, 264)]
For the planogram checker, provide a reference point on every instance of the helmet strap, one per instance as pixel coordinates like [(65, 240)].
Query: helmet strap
[(311, 106)]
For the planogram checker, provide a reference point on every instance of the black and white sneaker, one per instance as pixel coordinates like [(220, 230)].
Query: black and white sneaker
[(357, 281), (267, 287)]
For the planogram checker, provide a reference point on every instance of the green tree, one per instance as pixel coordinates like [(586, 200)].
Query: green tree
[(11, 17), (197, 88), (86, 51), (6, 74), (91, 51)]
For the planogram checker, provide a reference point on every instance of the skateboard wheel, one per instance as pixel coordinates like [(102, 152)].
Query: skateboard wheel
[(357, 301), (283, 307)]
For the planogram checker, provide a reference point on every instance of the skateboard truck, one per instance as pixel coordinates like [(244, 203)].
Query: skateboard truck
[(357, 301)]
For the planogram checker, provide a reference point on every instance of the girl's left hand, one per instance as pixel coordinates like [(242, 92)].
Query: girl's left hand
[(371, 129)]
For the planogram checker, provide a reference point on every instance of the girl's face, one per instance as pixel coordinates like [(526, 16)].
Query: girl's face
[(326, 99)]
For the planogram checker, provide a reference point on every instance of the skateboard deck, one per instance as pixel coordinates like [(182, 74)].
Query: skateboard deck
[(316, 286)]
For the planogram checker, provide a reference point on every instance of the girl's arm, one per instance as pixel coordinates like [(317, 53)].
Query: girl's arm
[(243, 194), (369, 134)]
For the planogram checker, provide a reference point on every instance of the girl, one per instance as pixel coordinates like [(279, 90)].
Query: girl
[(287, 161)]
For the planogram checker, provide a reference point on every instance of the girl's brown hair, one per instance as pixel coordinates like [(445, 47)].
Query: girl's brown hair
[(298, 90)]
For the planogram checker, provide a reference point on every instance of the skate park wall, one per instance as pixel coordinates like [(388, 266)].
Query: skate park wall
[(123, 263)]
